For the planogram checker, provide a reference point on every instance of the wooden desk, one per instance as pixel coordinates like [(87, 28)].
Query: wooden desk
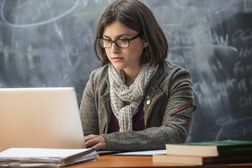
[(106, 161)]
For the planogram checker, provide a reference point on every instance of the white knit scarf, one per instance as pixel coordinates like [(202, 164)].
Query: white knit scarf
[(120, 93)]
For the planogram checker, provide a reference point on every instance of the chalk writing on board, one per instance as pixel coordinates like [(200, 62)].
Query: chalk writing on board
[(42, 7), (229, 122), (242, 35)]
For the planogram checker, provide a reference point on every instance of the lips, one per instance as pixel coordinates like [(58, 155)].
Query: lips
[(117, 59)]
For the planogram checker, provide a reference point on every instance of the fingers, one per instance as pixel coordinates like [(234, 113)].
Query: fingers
[(91, 140), (90, 143), (96, 141), (88, 137), (99, 146)]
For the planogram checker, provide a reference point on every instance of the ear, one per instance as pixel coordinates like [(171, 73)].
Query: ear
[(145, 44)]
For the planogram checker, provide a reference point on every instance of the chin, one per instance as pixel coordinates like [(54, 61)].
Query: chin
[(118, 67)]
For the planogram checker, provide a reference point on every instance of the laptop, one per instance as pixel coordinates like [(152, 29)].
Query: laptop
[(40, 117)]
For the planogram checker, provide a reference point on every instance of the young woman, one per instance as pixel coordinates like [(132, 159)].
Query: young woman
[(137, 100)]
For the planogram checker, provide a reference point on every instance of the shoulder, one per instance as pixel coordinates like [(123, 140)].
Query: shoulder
[(99, 74), (170, 70), (173, 68), (98, 79), (170, 75)]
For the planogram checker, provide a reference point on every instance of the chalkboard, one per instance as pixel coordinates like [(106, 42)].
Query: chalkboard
[(50, 43)]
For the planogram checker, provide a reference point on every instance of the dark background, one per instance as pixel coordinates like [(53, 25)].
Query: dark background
[(50, 43)]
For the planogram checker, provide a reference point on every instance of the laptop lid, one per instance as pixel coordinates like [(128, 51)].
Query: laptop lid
[(40, 117)]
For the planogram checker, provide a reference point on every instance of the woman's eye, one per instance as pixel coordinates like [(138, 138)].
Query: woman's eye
[(106, 40), (123, 40)]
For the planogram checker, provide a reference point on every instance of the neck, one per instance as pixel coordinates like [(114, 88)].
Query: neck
[(131, 75)]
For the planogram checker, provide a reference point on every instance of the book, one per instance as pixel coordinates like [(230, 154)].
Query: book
[(200, 160), (45, 157), (211, 148)]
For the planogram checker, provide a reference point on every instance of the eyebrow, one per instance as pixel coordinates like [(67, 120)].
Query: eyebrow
[(116, 36)]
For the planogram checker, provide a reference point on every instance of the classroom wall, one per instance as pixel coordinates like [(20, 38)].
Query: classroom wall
[(50, 43)]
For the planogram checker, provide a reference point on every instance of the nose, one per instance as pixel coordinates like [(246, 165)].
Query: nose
[(115, 48)]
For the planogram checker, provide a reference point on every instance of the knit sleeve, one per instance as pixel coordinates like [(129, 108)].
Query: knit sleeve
[(88, 111)]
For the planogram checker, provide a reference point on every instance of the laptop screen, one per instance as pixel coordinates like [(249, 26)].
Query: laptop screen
[(40, 117)]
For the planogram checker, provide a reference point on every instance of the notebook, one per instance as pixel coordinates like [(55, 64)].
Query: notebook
[(40, 118)]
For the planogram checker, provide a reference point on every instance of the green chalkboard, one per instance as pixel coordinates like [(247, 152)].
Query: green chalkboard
[(50, 43)]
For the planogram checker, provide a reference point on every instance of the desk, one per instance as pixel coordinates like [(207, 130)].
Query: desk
[(106, 161)]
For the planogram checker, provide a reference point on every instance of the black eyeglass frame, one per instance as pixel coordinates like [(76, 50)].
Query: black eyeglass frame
[(100, 40)]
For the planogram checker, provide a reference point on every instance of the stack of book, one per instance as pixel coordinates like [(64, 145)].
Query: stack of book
[(211, 152), (44, 157)]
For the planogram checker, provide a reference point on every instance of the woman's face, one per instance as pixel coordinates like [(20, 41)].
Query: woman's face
[(126, 59)]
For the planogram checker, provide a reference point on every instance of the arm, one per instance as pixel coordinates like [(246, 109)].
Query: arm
[(88, 114)]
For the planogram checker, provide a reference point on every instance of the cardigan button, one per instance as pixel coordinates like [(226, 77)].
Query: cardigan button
[(148, 102)]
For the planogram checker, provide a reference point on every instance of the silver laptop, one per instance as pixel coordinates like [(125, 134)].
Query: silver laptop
[(40, 117)]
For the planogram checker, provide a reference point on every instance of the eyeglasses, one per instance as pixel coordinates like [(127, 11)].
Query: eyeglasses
[(121, 43)]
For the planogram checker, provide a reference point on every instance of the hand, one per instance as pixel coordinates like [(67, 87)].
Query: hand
[(95, 141)]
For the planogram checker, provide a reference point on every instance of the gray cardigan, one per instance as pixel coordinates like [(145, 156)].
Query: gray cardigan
[(168, 107)]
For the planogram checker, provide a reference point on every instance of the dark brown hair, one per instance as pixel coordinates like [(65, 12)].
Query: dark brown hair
[(136, 16)]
